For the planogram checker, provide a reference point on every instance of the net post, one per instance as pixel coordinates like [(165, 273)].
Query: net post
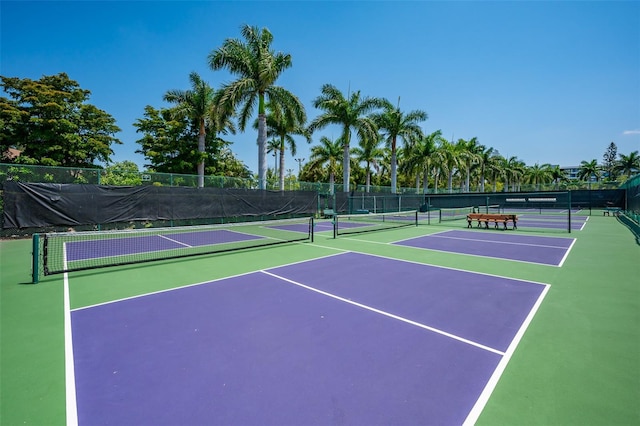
[(335, 225), (417, 217), (35, 259), (311, 228), (569, 210)]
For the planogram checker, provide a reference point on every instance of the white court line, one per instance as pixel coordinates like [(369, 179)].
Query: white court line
[(444, 251), (387, 314), (174, 241), (496, 242), (437, 266), (567, 253), (202, 282), (69, 367), (475, 412)]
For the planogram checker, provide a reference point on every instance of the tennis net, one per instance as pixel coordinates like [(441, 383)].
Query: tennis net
[(369, 222), (55, 253), (455, 213)]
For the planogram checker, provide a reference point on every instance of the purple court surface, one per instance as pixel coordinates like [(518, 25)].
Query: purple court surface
[(93, 249), (347, 339), (525, 248)]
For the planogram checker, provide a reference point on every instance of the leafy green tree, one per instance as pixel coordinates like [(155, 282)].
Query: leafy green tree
[(350, 113), (558, 176), (257, 67), (628, 164), (420, 158), (538, 174), (198, 105), (327, 154), (168, 146), (469, 151), (370, 152), (51, 123), (282, 125), (589, 169), (516, 170), (121, 173), (609, 161), (394, 124), (449, 159), (495, 169), (273, 147), (484, 156)]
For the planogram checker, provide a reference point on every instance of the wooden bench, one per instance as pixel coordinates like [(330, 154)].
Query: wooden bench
[(485, 218), (328, 213), (608, 210)]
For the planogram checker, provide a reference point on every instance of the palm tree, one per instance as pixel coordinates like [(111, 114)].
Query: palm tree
[(448, 155), (558, 176), (273, 147), (420, 157), (370, 152), (484, 156), (349, 113), (469, 155), (328, 152), (395, 124), (198, 105), (628, 164), (282, 126), (538, 174), (516, 169), (495, 167), (257, 67), (588, 169), (512, 170)]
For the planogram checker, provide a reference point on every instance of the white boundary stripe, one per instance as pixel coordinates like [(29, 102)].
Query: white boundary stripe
[(496, 242), (567, 253), (475, 412), (387, 314), (432, 265), (69, 368), (202, 282), (172, 240), (448, 252)]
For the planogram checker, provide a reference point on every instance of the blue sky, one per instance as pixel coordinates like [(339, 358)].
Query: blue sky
[(548, 82)]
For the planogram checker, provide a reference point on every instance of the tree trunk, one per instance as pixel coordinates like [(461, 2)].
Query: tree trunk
[(394, 177), (282, 165), (201, 138), (331, 183), (346, 161), (262, 151)]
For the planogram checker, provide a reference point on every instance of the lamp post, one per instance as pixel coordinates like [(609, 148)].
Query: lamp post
[(299, 160)]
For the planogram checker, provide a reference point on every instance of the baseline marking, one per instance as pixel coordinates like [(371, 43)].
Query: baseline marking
[(477, 409), (69, 367), (494, 242), (567, 253)]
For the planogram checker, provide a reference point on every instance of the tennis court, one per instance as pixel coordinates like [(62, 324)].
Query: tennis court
[(524, 248), (231, 342), (401, 326)]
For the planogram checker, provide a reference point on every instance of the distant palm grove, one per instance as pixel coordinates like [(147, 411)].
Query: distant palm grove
[(49, 122)]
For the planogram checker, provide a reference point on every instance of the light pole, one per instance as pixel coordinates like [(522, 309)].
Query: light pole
[(299, 160)]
